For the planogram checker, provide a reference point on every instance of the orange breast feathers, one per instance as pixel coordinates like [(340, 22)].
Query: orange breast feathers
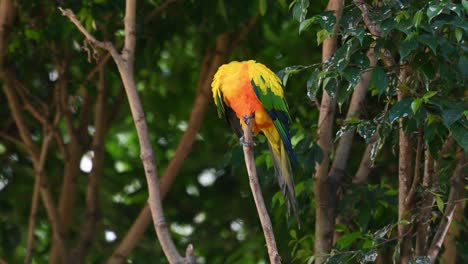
[(240, 96)]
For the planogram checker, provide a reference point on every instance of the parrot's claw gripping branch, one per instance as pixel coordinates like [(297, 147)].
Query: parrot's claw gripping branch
[(247, 120), (246, 144)]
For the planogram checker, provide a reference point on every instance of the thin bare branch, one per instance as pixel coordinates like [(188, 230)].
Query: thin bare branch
[(88, 230), (103, 45), (54, 219), (19, 120), (38, 172), (257, 192), (455, 192), (15, 141)]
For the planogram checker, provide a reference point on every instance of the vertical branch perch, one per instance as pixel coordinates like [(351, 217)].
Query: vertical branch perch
[(257, 192)]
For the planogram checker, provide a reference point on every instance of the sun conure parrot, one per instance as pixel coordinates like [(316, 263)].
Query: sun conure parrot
[(249, 89)]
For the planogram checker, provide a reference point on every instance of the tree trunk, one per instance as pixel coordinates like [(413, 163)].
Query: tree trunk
[(324, 223)]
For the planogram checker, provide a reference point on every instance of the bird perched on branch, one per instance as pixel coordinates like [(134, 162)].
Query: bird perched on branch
[(249, 91)]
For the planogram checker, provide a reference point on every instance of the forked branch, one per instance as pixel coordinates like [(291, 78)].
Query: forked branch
[(124, 64)]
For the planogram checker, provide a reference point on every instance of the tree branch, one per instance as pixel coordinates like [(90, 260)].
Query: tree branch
[(375, 30), (125, 66), (88, 229), (357, 100), (19, 120), (257, 193), (405, 162), (103, 45), (457, 188), (211, 62), (38, 172), (424, 217), (366, 164), (417, 171), (324, 224)]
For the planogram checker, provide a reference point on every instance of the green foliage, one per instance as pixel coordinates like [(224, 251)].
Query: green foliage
[(219, 218)]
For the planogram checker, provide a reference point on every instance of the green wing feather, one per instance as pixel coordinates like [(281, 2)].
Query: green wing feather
[(277, 109), (219, 102)]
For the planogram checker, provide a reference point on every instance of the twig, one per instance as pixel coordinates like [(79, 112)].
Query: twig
[(19, 120), (457, 187), (38, 171), (257, 193)]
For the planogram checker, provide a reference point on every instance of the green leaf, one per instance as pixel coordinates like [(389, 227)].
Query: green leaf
[(347, 239), (32, 34), (379, 80), (406, 47), (460, 133), (456, 8), (463, 65), (458, 34), (433, 11), (465, 113), (416, 104), (404, 222), (429, 41), (306, 23), (352, 75), (262, 6), (465, 5), (327, 20), (300, 10), (420, 260), (451, 115), (330, 84), (321, 36), (400, 109), (418, 18), (293, 234), (313, 85), (402, 15), (428, 95), (440, 203)]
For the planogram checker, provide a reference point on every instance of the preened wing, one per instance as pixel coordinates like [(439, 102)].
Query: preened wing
[(277, 109)]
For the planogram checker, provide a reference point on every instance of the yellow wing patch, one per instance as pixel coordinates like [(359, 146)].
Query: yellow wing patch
[(264, 78)]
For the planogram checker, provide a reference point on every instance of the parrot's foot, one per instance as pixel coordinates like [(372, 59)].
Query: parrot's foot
[(247, 118), (246, 144)]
